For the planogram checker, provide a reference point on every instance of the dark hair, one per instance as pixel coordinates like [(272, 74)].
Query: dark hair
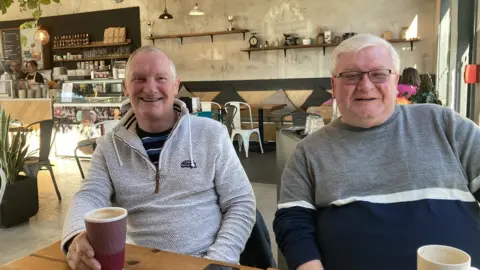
[(33, 63), (410, 76)]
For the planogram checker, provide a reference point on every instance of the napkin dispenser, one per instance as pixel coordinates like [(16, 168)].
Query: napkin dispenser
[(313, 123)]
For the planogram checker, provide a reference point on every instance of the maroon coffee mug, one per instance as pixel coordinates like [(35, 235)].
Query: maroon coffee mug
[(106, 231)]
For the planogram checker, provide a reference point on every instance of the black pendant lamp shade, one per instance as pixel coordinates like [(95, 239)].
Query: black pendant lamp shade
[(165, 15)]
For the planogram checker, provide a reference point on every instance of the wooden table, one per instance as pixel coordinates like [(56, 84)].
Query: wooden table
[(261, 107), (136, 258), (15, 129)]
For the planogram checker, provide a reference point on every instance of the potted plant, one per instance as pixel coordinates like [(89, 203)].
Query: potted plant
[(33, 5), (27, 5), (20, 200)]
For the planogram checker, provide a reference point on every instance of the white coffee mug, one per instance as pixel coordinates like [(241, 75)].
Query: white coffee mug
[(437, 257), (22, 93)]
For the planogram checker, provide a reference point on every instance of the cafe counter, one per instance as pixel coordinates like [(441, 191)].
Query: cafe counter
[(28, 110), (78, 116)]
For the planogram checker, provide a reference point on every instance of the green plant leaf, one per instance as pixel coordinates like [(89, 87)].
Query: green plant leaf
[(12, 155), (29, 24), (32, 4), (5, 4), (26, 5), (37, 13), (23, 41)]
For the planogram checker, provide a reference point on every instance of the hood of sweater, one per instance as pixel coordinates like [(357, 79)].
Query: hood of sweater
[(126, 132)]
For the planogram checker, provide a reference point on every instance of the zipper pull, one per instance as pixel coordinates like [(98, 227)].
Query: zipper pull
[(157, 181)]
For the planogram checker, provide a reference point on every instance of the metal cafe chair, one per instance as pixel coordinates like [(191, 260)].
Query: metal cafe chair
[(34, 164)]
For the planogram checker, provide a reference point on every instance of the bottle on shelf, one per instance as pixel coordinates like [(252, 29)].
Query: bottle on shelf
[(320, 36)]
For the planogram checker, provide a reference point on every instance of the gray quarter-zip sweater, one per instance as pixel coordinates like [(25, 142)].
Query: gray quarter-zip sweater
[(198, 201)]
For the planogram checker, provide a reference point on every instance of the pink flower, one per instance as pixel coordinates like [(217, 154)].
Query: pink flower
[(405, 90)]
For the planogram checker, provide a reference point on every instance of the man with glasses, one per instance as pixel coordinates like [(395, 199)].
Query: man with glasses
[(370, 188)]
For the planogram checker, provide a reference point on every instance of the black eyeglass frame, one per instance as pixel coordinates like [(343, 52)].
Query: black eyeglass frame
[(361, 73)]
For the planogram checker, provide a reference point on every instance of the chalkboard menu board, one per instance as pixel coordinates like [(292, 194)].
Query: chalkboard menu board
[(11, 43)]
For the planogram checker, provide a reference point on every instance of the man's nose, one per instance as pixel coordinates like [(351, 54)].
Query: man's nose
[(150, 86), (365, 83)]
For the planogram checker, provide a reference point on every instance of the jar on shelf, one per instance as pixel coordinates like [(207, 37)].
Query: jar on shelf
[(387, 35)]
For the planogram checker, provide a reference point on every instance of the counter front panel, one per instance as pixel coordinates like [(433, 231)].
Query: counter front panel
[(28, 110)]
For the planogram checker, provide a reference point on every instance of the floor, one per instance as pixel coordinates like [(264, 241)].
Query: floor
[(46, 227)]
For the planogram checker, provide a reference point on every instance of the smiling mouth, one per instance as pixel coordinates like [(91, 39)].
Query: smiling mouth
[(365, 99), (150, 99)]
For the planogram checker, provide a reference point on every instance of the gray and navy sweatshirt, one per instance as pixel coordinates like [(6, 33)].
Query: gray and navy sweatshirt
[(197, 200), (369, 198)]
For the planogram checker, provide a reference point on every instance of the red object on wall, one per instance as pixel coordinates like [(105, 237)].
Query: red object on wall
[(472, 73)]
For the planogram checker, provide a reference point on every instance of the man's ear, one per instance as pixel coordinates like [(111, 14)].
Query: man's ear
[(333, 86), (177, 85)]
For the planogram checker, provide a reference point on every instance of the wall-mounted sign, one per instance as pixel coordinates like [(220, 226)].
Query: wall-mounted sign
[(11, 43)]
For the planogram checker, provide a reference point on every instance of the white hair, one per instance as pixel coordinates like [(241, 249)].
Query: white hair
[(362, 41), (149, 49)]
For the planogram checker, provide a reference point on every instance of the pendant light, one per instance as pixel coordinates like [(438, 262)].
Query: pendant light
[(165, 15), (196, 11), (41, 36)]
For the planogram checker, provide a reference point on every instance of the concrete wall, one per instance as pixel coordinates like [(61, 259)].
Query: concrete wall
[(199, 59)]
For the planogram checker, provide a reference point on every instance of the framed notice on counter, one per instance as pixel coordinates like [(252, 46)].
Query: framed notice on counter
[(11, 47), (67, 92)]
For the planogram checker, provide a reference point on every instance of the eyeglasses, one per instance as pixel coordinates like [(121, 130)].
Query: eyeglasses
[(375, 76)]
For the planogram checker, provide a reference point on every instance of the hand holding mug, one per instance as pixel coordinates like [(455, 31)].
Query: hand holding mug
[(80, 254), (106, 232)]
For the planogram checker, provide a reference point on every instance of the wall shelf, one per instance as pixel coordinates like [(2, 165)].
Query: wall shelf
[(96, 44), (211, 34), (411, 41), (324, 46), (108, 57), (290, 47), (95, 81)]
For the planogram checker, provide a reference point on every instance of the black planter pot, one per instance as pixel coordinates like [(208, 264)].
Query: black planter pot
[(20, 201)]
